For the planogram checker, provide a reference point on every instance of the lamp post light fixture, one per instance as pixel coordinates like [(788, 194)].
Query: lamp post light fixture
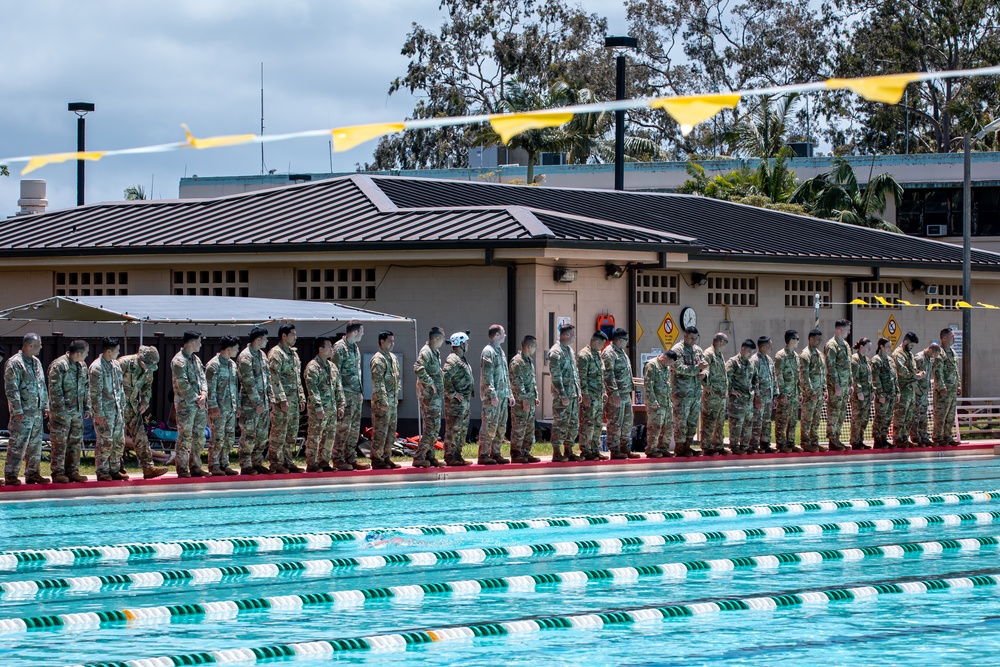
[(620, 45), (81, 109)]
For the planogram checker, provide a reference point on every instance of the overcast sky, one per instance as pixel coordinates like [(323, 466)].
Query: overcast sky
[(150, 66)]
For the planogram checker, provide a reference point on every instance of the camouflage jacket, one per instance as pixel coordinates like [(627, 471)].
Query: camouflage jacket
[(188, 378), (565, 375), (923, 363), (428, 371), (69, 387), (385, 379), (137, 382), (763, 378), (590, 370), (656, 384), (617, 372), (494, 378), (222, 377), (523, 384), (458, 376), (347, 359), (812, 371), (107, 395), (324, 388), (861, 375), (286, 375), (255, 378), (946, 377), (24, 381), (739, 371), (884, 376), (716, 383), (906, 369), (786, 373), (838, 364), (686, 372)]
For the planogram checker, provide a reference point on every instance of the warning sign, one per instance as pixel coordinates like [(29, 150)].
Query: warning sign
[(638, 332), (667, 331), (891, 331)]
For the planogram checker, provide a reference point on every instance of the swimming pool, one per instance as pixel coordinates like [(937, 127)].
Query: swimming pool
[(763, 571)]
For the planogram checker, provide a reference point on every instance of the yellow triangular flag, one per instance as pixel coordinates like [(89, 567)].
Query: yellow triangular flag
[(904, 302), (932, 306), (986, 305), (883, 301), (510, 125), (689, 110), (216, 142), (888, 89), (963, 304), (858, 302), (40, 161), (346, 138)]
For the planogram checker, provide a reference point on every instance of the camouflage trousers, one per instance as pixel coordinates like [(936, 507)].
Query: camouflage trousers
[(254, 427), (883, 418), (786, 417), (760, 431), (522, 428), (713, 421), (135, 428), (919, 432), (383, 432), (25, 444), (430, 425), (861, 412), (836, 413), (739, 412), (591, 422), (320, 438), (223, 439), (944, 417), (491, 430), (659, 425), (284, 431), (191, 422), (620, 420), (348, 430), (565, 421), (456, 427), (110, 443), (687, 410), (902, 418), (812, 408), (66, 433)]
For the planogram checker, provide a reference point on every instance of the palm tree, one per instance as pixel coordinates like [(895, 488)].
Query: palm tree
[(135, 192), (763, 129), (3, 170), (589, 135), (836, 195)]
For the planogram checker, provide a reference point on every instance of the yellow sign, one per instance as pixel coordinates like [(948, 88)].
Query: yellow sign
[(891, 331), (667, 331), (638, 332)]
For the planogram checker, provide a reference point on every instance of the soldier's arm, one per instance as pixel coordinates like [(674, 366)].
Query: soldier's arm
[(420, 370), (245, 369), (558, 381), (212, 378), (516, 386), (486, 388), (338, 391), (449, 382), (682, 369), (314, 377), (378, 382), (610, 381), (57, 400), (42, 385), (183, 387), (274, 379), (96, 399), (87, 401)]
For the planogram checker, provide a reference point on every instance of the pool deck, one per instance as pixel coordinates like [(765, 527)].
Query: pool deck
[(170, 484)]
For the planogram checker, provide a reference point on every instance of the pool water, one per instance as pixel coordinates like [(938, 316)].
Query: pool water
[(937, 627)]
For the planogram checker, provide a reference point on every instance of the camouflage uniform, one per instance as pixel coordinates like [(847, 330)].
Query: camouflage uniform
[(189, 384), (24, 381), (659, 417), (618, 382), (69, 400), (590, 370), (457, 381), (255, 390), (222, 377), (430, 390), (347, 359), (946, 386), (286, 385), (326, 395), (137, 383), (494, 382), (906, 376), (385, 403), (812, 371), (715, 389), (884, 380), (739, 407), (921, 404), (523, 386), (687, 398), (861, 408), (764, 392), (788, 390), (565, 378), (107, 399), (838, 372)]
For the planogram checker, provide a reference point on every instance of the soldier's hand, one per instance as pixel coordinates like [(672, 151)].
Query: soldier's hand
[(881, 399), (652, 406), (214, 413), (17, 418), (431, 390), (585, 401), (783, 399), (959, 392), (340, 413), (703, 364), (537, 402), (861, 396), (564, 400), (457, 397), (494, 402), (757, 403), (87, 415), (259, 409), (143, 407), (526, 403), (921, 375), (616, 400), (320, 415), (284, 406), (45, 414), (99, 421), (200, 402), (837, 390)]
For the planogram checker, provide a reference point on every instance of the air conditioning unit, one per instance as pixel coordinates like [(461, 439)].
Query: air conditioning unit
[(932, 290), (937, 230)]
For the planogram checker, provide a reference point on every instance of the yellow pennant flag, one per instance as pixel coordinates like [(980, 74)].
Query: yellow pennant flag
[(963, 304), (888, 89), (510, 125), (986, 305), (932, 306), (858, 302), (40, 161), (904, 302), (217, 142), (689, 110), (883, 301), (346, 138)]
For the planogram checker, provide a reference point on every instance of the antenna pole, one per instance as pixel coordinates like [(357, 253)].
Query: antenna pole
[(263, 167)]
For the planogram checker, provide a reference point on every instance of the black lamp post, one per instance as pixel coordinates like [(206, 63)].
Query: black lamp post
[(81, 109), (620, 45)]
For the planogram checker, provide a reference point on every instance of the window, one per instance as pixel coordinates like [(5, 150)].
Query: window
[(801, 292), (211, 282), (652, 288), (91, 283), (947, 295), (732, 291), (889, 291), (327, 284)]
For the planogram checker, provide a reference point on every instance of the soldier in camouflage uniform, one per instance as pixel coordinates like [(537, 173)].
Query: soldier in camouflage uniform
[(715, 390), (886, 390), (190, 402), (137, 383), (222, 378), (494, 390), (107, 400), (907, 376), (69, 405), (385, 402), (763, 397), (739, 406), (28, 402), (787, 389), (430, 396), (924, 361), (524, 388), (688, 373), (458, 390), (838, 383), (812, 374), (862, 392), (590, 369), (326, 405), (659, 411), (618, 386), (947, 389), (347, 359), (255, 404), (289, 401), (565, 377)]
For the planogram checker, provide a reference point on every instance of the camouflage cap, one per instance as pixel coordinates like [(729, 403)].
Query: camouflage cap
[(149, 355)]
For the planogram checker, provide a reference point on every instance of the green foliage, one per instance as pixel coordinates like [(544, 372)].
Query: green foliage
[(3, 170), (769, 185), (836, 195), (134, 193)]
